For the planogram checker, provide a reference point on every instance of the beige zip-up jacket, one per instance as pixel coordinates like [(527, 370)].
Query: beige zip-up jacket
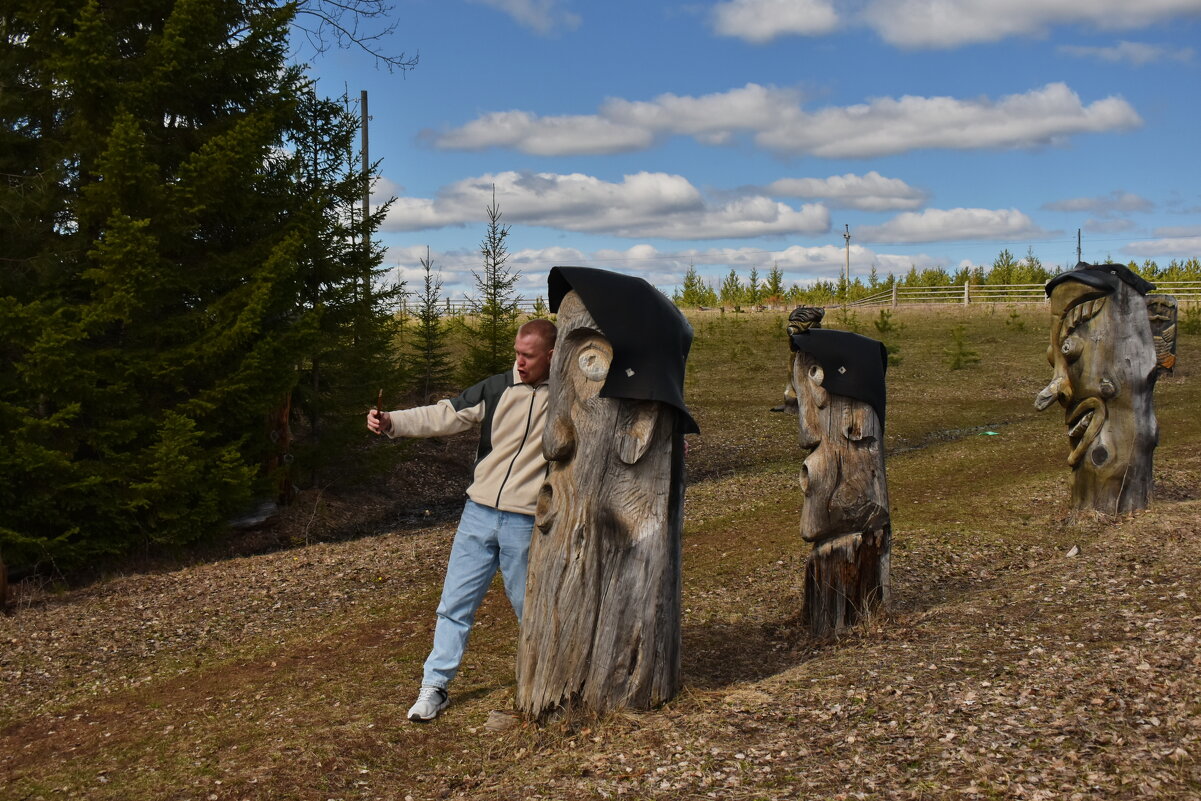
[(509, 468)]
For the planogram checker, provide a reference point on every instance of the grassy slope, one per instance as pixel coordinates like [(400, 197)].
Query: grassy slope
[(1002, 668)]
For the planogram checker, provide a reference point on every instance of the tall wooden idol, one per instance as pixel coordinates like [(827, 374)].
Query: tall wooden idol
[(601, 626), (838, 380), (1110, 341)]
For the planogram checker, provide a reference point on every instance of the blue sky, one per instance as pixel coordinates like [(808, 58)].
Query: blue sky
[(644, 136)]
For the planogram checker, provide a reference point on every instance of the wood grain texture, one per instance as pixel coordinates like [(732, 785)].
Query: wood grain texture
[(1105, 364), (601, 625), (845, 512)]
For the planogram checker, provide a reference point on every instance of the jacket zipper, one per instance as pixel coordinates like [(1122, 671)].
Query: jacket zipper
[(529, 418)]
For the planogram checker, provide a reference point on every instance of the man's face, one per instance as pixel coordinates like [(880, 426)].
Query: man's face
[(533, 358)]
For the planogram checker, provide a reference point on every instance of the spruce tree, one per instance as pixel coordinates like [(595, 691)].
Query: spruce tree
[(428, 355), (731, 289), (694, 292), (773, 288), (153, 315), (355, 350), (492, 324), (754, 289)]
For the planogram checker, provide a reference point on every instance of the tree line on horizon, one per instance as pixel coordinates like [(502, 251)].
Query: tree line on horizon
[(758, 289)]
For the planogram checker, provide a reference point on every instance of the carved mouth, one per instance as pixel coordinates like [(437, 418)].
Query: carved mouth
[(1084, 424)]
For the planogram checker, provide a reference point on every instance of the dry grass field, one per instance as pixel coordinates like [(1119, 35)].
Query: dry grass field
[(1003, 668)]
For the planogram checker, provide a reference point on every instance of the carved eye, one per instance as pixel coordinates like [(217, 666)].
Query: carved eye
[(816, 374), (594, 363), (1071, 348)]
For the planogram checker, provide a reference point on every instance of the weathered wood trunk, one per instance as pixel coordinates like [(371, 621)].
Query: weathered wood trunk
[(846, 577), (845, 512), (601, 624), (1104, 356), (3, 587)]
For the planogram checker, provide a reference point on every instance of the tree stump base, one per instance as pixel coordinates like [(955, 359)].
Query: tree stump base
[(846, 578)]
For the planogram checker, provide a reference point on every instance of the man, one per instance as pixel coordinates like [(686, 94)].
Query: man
[(494, 531)]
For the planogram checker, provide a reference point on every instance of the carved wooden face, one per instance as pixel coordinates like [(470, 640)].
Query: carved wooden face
[(1104, 362), (842, 479), (590, 439)]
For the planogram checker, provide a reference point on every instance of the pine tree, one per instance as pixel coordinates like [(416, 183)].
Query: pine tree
[(429, 358), (494, 311)]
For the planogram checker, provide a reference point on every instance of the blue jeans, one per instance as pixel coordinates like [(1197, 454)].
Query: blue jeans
[(487, 539)]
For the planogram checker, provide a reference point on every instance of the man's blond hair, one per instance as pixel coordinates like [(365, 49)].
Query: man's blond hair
[(545, 330)]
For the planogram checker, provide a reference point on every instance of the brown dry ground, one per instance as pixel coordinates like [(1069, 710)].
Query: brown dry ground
[(1002, 668)]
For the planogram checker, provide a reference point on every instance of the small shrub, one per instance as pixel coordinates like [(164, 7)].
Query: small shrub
[(848, 320), (1190, 321), (959, 355), (884, 323), (1015, 320)]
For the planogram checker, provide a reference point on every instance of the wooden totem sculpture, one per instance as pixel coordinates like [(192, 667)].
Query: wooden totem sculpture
[(1110, 340), (838, 379), (601, 627)]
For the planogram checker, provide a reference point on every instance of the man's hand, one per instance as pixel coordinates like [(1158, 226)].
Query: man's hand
[(379, 422)]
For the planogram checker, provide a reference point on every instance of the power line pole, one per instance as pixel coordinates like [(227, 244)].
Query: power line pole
[(1079, 258), (366, 235), (366, 168), (846, 282)]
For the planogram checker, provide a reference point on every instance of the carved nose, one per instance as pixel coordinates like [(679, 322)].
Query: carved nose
[(1051, 392)]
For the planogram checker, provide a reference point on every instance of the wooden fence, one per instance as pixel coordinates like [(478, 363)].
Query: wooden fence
[(465, 307), (1186, 292)]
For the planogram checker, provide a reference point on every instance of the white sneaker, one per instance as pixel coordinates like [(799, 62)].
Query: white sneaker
[(430, 701)]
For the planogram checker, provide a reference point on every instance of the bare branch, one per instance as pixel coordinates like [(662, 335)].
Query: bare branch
[(346, 24)]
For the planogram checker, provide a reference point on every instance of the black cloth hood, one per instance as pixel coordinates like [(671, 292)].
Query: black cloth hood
[(853, 364), (1102, 276), (649, 335)]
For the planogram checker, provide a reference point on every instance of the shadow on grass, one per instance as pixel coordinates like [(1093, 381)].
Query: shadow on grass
[(722, 654)]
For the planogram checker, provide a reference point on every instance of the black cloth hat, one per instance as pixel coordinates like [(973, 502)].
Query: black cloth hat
[(1102, 276), (854, 365), (649, 335)]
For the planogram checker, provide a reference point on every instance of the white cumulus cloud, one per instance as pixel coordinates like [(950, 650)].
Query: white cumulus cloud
[(540, 16), (1116, 202), (1137, 53), (954, 23), (888, 126), (1166, 248), (869, 192), (640, 205), (545, 136), (777, 122), (950, 225), (763, 20)]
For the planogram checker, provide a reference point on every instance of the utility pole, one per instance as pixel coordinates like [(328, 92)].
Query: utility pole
[(846, 284), (366, 168), (1079, 258), (366, 198)]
